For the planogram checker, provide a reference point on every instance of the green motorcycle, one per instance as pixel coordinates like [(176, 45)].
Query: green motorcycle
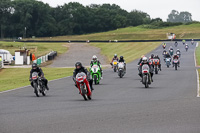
[(96, 73)]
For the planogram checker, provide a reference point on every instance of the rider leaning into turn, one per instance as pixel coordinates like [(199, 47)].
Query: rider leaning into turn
[(35, 68), (79, 68), (96, 61)]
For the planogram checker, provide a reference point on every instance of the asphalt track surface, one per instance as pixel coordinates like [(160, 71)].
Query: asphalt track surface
[(82, 52), (119, 105)]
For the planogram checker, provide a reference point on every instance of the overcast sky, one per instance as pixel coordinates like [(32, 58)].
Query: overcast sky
[(155, 8)]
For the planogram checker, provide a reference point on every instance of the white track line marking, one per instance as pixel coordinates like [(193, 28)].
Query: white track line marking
[(30, 85), (198, 90)]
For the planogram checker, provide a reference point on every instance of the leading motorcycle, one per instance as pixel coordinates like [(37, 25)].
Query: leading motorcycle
[(83, 86), (146, 77)]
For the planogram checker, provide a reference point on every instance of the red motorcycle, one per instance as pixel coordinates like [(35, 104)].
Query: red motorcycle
[(83, 86), (164, 46)]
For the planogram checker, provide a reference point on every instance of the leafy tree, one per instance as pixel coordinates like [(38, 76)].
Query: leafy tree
[(5, 13), (183, 17)]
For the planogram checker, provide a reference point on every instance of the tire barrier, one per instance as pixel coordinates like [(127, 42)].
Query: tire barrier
[(52, 55), (45, 58)]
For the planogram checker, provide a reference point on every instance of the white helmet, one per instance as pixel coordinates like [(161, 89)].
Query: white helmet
[(94, 58), (144, 59), (115, 55)]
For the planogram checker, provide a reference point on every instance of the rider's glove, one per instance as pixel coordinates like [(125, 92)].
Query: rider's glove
[(30, 79)]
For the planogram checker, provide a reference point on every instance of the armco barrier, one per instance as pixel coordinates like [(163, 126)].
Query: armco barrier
[(103, 41)]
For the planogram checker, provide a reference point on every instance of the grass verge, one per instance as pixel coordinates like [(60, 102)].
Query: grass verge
[(12, 78), (42, 48), (130, 51), (137, 33)]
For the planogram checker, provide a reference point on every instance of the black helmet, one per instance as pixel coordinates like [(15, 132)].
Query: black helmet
[(34, 66), (121, 57), (152, 55), (78, 64)]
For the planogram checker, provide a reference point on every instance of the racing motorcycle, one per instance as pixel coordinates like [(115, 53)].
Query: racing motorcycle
[(164, 46), (121, 69), (156, 63), (192, 42), (95, 73), (176, 44), (168, 62), (114, 64), (83, 86), (175, 62), (171, 52), (178, 53), (146, 76), (186, 47), (38, 84)]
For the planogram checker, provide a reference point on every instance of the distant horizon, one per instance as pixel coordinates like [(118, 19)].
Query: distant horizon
[(160, 9)]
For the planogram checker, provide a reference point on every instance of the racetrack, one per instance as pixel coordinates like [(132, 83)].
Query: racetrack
[(119, 105)]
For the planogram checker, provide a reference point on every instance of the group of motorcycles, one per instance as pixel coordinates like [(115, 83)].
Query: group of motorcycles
[(119, 67)]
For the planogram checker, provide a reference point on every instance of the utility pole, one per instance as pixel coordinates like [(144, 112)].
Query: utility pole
[(25, 32)]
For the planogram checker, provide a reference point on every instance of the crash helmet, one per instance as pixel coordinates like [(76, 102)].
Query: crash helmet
[(34, 66), (94, 58), (144, 59), (115, 55), (121, 57), (78, 65), (152, 55)]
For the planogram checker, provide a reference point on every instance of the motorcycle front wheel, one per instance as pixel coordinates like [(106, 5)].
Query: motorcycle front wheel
[(36, 90)]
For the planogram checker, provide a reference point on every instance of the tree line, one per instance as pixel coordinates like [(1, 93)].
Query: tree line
[(27, 18)]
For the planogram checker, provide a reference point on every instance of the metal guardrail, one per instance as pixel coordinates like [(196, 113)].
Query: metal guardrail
[(103, 41)]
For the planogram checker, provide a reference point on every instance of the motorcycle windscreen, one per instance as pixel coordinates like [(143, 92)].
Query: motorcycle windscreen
[(145, 68)]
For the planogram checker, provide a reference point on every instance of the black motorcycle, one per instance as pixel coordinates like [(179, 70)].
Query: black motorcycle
[(38, 84)]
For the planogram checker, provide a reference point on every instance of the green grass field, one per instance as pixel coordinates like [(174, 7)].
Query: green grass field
[(12, 78), (137, 33), (42, 48), (130, 51)]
